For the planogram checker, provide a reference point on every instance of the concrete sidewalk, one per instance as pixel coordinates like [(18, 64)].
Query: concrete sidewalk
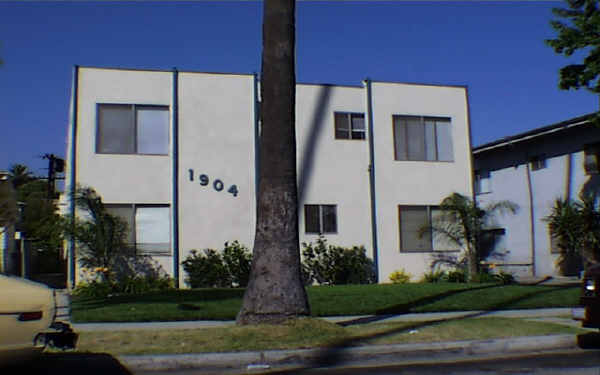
[(560, 313)]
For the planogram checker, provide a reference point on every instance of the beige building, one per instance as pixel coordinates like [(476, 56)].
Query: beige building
[(175, 154)]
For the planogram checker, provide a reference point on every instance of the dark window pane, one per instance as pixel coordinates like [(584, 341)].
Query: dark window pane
[(125, 213), (329, 218), (115, 129), (430, 144), (311, 219), (412, 219), (400, 138), (416, 139), (152, 130), (342, 126)]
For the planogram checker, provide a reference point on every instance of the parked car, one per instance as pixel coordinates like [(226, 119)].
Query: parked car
[(28, 320)]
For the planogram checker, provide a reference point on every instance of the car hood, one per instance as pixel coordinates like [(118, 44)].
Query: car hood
[(17, 294)]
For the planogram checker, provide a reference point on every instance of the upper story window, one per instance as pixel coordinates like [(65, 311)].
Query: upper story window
[(132, 129), (591, 158), (349, 125), (422, 138), (320, 218), (482, 182), (537, 162)]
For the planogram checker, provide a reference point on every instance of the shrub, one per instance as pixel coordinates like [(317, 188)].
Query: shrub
[(484, 277), (206, 269), (456, 276), (127, 285), (399, 277), (93, 289), (505, 278), (434, 277), (238, 260), (335, 265)]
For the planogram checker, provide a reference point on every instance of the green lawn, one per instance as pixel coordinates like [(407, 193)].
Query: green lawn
[(308, 333), (223, 304)]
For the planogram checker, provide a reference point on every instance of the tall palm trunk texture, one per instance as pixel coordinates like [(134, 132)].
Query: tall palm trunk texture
[(275, 291)]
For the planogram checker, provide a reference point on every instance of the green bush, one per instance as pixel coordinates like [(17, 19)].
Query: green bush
[(434, 277), (206, 270), (505, 278), (93, 289), (238, 261), (127, 285), (399, 277), (456, 276), (335, 265)]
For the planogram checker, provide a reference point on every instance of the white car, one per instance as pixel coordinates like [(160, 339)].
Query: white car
[(28, 320)]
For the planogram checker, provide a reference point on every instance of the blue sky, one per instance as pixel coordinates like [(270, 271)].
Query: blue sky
[(495, 48)]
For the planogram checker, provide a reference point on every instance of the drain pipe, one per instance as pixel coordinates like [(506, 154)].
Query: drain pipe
[(369, 118), (531, 217)]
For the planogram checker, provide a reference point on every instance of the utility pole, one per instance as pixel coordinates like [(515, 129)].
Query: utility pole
[(55, 165)]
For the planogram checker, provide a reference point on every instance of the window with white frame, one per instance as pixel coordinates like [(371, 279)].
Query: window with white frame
[(418, 138), (149, 227), (482, 182), (416, 234), (132, 129), (349, 125), (320, 218)]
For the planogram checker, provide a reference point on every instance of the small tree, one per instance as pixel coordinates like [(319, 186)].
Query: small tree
[(101, 237), (462, 222)]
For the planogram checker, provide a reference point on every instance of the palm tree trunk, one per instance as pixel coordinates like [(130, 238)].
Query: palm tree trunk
[(275, 292)]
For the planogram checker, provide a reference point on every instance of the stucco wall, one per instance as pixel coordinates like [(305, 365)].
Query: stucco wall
[(332, 171), (415, 182), (216, 138)]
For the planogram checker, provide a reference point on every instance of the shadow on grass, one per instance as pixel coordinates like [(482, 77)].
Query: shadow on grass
[(68, 364), (335, 354)]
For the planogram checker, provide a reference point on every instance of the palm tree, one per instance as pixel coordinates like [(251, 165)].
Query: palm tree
[(462, 222), (576, 227), (20, 175), (275, 291)]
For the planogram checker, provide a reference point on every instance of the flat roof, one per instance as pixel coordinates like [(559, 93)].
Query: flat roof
[(250, 74)]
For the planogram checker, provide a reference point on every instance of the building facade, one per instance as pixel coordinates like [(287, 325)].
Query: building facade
[(175, 154), (533, 169)]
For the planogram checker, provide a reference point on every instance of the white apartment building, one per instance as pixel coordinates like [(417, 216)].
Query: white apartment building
[(533, 169), (175, 153)]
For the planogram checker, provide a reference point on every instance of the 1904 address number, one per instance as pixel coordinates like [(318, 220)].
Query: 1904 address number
[(217, 184)]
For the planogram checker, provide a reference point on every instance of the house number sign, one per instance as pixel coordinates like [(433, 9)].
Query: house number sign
[(217, 184)]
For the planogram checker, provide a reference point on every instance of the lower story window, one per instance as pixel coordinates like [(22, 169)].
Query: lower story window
[(320, 218), (149, 227), (416, 235)]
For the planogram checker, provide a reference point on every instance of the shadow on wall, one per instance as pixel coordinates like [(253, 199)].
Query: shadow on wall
[(316, 128)]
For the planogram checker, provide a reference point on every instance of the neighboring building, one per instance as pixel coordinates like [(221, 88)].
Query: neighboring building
[(532, 169), (175, 154)]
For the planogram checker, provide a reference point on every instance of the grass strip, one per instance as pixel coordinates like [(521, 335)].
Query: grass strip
[(223, 304), (308, 333)]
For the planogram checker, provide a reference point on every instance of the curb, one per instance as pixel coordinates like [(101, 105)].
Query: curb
[(364, 355)]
